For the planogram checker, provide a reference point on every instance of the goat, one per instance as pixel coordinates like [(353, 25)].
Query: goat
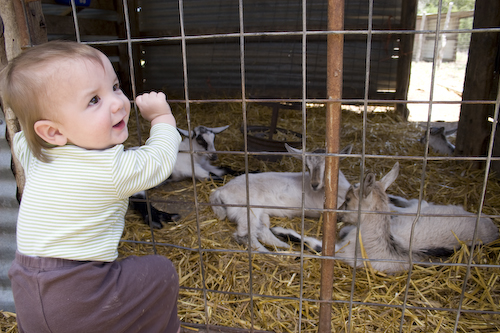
[(157, 216), (438, 140), (275, 194), (203, 139), (396, 203), (387, 237)]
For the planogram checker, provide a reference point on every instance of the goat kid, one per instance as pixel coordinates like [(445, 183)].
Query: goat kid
[(438, 140), (396, 204), (203, 139), (387, 237), (275, 193)]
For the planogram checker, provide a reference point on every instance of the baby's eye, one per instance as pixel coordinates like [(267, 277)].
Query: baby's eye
[(94, 100), (116, 87)]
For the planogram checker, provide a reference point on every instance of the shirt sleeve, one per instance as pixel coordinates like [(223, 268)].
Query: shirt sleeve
[(22, 151), (149, 165)]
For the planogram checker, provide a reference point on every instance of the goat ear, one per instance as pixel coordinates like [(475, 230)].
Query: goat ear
[(450, 132), (183, 132), (346, 150), (390, 177), (216, 130), (294, 151), (437, 130), (368, 184)]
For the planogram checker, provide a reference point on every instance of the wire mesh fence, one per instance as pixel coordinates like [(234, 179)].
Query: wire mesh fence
[(229, 286)]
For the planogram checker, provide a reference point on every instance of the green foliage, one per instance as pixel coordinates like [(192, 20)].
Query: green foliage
[(431, 6)]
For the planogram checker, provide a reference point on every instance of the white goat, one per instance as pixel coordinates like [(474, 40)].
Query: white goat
[(203, 139), (438, 140), (387, 237), (275, 194), (396, 203)]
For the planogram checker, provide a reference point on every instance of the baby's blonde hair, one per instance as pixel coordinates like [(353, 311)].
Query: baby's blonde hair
[(24, 84)]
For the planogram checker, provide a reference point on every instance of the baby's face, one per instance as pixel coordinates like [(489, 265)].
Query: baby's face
[(90, 108)]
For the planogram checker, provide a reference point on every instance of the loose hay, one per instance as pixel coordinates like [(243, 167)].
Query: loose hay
[(276, 280), (377, 298), (8, 322)]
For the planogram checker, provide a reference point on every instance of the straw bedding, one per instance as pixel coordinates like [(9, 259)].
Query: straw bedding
[(277, 281)]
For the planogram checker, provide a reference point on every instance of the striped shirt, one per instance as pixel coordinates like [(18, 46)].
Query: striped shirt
[(74, 206)]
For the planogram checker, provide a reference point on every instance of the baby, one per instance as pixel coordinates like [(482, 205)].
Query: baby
[(73, 115)]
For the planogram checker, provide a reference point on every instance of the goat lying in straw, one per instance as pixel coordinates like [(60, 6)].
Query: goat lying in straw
[(438, 140), (203, 140), (275, 194), (438, 231)]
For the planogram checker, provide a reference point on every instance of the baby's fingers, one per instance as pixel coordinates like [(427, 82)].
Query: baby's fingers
[(150, 98)]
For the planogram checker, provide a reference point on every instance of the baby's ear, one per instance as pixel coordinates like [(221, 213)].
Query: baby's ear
[(49, 132)]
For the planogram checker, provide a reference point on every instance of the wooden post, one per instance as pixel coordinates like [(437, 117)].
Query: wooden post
[(405, 54), (335, 54), (24, 27), (481, 82)]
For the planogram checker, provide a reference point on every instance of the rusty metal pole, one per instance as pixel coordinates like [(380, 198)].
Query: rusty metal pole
[(335, 53)]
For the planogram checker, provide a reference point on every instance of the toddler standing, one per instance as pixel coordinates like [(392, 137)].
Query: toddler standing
[(73, 116)]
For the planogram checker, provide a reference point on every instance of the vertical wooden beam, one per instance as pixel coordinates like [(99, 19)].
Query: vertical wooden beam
[(481, 82), (12, 124), (405, 54), (15, 33), (335, 54), (24, 27), (36, 22)]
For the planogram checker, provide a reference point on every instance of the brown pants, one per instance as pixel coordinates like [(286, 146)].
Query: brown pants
[(136, 294)]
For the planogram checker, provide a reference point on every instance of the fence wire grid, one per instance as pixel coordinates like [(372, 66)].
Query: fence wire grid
[(408, 318)]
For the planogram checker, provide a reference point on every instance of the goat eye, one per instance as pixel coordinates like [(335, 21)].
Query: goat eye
[(200, 140)]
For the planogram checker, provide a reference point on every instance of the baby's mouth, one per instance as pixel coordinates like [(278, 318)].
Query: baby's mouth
[(120, 125)]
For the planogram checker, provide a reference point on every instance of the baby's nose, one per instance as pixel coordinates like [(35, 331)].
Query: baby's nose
[(116, 104)]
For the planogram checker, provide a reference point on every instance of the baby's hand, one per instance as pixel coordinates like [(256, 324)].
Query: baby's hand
[(153, 105)]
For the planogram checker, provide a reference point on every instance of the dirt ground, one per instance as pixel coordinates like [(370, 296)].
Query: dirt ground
[(448, 86)]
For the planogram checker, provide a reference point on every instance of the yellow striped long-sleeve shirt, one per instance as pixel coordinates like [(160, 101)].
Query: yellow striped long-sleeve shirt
[(74, 206)]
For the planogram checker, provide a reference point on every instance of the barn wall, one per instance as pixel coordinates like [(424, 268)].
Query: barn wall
[(9, 208), (273, 64)]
